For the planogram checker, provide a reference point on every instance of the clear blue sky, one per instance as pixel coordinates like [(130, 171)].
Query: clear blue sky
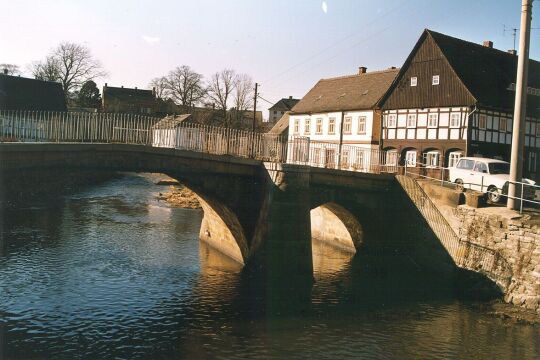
[(285, 45)]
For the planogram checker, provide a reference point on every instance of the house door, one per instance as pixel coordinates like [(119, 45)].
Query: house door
[(330, 158)]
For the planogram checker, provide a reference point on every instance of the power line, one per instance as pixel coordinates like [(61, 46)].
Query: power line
[(336, 43)]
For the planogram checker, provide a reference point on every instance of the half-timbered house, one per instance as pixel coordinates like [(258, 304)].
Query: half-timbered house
[(339, 116), (453, 98)]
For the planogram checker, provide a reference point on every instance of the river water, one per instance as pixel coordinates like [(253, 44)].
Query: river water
[(110, 272)]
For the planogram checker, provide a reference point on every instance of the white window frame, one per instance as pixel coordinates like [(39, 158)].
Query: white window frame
[(480, 117), (318, 126), (410, 158), (307, 127), (391, 121), (332, 126), (390, 157), (296, 126), (409, 123), (503, 128), (347, 125), (414, 81), (435, 80), (431, 117), (431, 158), (454, 157), (345, 159), (454, 117), (362, 121)]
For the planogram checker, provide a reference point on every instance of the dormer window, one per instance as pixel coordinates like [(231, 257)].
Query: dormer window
[(435, 80), (414, 81)]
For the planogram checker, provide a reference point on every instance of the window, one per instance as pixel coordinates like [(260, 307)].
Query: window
[(306, 127), (532, 161), (359, 164), (455, 120), (275, 112), (361, 125), (433, 120), (345, 159), (347, 124), (482, 121), (411, 120), (296, 126), (410, 158), (318, 127), (414, 81), (317, 156), (465, 164), (502, 124), (332, 126), (537, 129), (431, 159), (480, 167), (391, 121), (453, 158), (390, 157), (435, 80)]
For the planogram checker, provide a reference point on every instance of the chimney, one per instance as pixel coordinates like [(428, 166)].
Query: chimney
[(488, 44), (135, 88), (154, 91), (105, 84), (290, 97), (5, 71), (122, 86), (362, 70), (513, 52)]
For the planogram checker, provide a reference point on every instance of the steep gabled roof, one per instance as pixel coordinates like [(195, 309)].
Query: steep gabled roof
[(171, 122), (486, 72), (354, 92), (127, 94), (19, 93), (281, 125), (285, 104)]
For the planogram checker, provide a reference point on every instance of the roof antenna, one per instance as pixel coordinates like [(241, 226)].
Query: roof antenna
[(513, 31)]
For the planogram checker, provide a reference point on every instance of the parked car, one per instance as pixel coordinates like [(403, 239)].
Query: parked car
[(489, 176)]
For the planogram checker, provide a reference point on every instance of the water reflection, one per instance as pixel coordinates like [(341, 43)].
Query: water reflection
[(111, 272)]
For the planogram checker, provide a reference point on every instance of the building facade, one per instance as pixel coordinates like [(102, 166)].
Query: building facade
[(280, 108), (341, 120), (128, 100), (454, 98), (19, 93)]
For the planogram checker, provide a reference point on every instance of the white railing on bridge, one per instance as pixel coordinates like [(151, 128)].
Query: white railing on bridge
[(81, 127)]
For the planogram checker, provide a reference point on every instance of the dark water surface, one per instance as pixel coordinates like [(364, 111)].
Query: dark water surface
[(112, 273)]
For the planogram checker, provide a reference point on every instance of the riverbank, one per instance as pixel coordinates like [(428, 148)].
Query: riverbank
[(178, 195)]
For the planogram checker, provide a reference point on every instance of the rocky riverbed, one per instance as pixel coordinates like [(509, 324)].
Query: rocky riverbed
[(178, 195)]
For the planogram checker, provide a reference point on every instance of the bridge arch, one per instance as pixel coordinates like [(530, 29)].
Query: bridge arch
[(333, 224)]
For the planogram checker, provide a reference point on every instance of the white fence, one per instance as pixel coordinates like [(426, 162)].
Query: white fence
[(80, 127)]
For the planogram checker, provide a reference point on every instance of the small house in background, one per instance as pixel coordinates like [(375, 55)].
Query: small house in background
[(19, 93), (455, 98), (280, 108), (166, 132), (282, 126), (128, 100), (340, 119)]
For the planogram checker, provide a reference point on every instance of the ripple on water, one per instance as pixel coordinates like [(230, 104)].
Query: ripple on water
[(110, 272)]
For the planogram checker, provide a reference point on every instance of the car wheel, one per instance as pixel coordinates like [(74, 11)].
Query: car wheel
[(494, 194), (459, 185)]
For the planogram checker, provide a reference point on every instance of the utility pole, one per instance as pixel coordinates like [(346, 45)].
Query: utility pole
[(520, 106), (255, 107)]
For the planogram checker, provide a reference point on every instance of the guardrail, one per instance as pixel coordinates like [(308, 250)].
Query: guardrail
[(465, 254), (304, 151), (81, 127), (525, 191)]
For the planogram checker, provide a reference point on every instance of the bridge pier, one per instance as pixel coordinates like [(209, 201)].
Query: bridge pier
[(281, 245)]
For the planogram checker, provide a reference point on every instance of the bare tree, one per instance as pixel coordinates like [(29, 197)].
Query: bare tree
[(47, 70), (160, 86), (72, 65), (185, 86), (10, 69), (243, 95), (222, 85)]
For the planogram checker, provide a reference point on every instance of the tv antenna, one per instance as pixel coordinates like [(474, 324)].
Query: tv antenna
[(513, 31)]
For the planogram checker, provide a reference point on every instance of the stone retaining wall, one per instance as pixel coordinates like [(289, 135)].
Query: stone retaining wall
[(517, 239)]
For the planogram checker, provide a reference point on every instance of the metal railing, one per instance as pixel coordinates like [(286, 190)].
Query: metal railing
[(304, 151), (465, 254), (81, 127), (525, 191)]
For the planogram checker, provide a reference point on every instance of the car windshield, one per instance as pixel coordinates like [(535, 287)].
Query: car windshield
[(499, 168)]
